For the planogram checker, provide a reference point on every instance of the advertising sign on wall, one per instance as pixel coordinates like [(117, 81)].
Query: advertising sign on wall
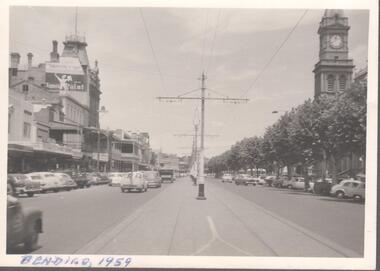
[(65, 75)]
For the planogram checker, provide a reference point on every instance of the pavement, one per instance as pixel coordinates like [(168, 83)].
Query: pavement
[(174, 222)]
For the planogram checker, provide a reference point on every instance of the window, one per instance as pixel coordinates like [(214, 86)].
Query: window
[(27, 129), (347, 184), (330, 82), (355, 185), (342, 83), (25, 88)]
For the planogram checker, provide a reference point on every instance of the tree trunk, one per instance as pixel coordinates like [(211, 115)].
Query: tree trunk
[(333, 169), (323, 164), (257, 172), (289, 168), (305, 174), (251, 168), (351, 170)]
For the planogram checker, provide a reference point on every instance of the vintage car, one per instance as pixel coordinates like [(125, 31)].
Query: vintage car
[(298, 183), (115, 178), (134, 181), (67, 182), (21, 184), (23, 226), (48, 180), (245, 179), (153, 178), (167, 175), (227, 177), (349, 188), (322, 186)]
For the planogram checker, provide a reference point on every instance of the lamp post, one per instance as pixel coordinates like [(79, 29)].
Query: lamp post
[(102, 110)]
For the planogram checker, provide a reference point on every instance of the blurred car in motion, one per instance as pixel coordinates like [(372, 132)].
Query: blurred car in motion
[(48, 180), (21, 184), (349, 188), (227, 177), (134, 181), (23, 226), (153, 178)]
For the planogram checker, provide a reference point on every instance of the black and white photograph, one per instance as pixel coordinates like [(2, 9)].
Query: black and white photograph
[(190, 135)]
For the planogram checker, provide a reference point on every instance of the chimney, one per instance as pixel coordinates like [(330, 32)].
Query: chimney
[(15, 60), (54, 56), (30, 58)]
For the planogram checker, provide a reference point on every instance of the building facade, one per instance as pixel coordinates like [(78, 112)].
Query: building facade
[(333, 71)]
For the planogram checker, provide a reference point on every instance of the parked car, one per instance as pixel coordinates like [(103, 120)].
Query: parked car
[(23, 225), (349, 188), (286, 182), (48, 180), (103, 178), (261, 180), (79, 177), (134, 181), (227, 177), (270, 179), (322, 186), (21, 184), (67, 182), (245, 179), (115, 178), (298, 183), (93, 178), (153, 178)]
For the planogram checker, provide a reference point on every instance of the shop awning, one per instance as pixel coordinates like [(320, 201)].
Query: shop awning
[(12, 147), (61, 126)]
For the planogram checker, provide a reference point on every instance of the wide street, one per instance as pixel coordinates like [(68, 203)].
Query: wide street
[(233, 221)]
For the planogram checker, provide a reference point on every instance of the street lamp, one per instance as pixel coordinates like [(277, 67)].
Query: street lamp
[(102, 110)]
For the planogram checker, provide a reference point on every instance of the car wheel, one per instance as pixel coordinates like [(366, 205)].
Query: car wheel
[(339, 194), (289, 186), (31, 239), (30, 194), (357, 198)]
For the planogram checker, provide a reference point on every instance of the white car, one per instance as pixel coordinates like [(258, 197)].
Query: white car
[(134, 181), (227, 178), (49, 181), (115, 178), (298, 183), (67, 182), (349, 188)]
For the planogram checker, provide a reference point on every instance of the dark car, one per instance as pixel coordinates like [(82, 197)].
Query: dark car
[(80, 178), (21, 184), (322, 187), (167, 175), (23, 226)]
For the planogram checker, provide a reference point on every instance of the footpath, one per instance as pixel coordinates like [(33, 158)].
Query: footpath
[(175, 223)]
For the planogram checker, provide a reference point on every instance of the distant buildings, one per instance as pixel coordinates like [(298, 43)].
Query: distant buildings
[(53, 117)]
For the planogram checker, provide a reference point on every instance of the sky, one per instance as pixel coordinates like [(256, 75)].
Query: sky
[(232, 47)]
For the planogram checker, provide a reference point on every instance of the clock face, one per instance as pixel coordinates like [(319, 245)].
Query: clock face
[(336, 42)]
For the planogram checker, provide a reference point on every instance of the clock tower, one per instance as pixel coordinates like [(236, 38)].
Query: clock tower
[(333, 72)]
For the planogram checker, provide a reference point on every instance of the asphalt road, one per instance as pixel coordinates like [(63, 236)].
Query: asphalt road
[(339, 220), (71, 219), (170, 221)]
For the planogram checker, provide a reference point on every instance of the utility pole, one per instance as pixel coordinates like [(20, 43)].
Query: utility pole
[(203, 98)]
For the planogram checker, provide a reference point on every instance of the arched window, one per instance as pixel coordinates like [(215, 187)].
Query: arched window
[(330, 82), (342, 83)]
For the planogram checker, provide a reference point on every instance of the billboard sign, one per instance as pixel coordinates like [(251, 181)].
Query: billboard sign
[(66, 75)]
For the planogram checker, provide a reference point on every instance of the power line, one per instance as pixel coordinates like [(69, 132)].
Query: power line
[(151, 47), (213, 41), (112, 66), (275, 53)]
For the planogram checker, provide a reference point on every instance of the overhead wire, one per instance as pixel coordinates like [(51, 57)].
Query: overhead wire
[(153, 52), (213, 41)]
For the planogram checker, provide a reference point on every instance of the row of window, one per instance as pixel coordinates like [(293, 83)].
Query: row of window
[(342, 80)]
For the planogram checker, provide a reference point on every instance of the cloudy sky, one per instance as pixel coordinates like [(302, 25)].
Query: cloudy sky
[(232, 46)]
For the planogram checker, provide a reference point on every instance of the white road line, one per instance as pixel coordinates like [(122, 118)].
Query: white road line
[(216, 236)]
